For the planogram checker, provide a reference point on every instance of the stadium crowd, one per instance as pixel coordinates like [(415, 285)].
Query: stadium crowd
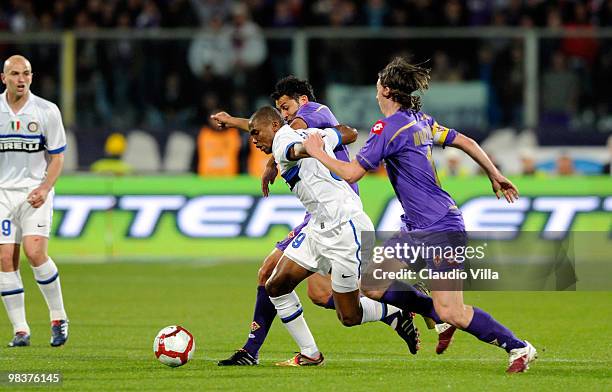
[(36, 15), (124, 83)]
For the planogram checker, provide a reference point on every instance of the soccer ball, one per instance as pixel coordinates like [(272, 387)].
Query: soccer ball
[(174, 346)]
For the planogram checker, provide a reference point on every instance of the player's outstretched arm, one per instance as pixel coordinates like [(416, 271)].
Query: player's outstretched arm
[(349, 171), (499, 183), (224, 120)]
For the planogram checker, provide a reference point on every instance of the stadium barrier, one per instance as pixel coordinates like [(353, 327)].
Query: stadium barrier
[(172, 218)]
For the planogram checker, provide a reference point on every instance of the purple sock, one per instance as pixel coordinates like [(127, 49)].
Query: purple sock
[(405, 297), (330, 303), (263, 316), (489, 330)]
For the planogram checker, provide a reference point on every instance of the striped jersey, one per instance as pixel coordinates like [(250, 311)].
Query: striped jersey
[(316, 115), (328, 198), (26, 139)]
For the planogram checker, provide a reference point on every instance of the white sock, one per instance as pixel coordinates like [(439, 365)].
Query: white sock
[(11, 289), (391, 310), (372, 310), (48, 280), (290, 311)]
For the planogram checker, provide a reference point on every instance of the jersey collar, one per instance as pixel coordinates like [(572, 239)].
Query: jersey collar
[(6, 108)]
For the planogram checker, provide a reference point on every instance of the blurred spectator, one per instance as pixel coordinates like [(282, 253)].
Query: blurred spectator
[(112, 163), (580, 48), (565, 165), (453, 14), (284, 15), (248, 47), (375, 13), (108, 14), (208, 103), (442, 71), (554, 22), (94, 11), (514, 12), (486, 60), (149, 17), (91, 87), (218, 150), (211, 51), (126, 74), (63, 14), (500, 44), (559, 92), (22, 18), (235, 49), (207, 10), (453, 166), (528, 163), (508, 79), (175, 102), (480, 12)]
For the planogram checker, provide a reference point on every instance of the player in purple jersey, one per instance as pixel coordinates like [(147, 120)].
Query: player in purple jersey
[(404, 139), (295, 99)]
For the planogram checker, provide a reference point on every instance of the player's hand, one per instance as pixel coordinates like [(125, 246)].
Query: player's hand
[(38, 196), (222, 119), (268, 177), (503, 186), (314, 144)]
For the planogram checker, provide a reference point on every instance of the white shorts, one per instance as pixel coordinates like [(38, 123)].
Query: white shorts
[(337, 250), (18, 218)]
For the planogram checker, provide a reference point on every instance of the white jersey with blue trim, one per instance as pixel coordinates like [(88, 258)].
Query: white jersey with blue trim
[(26, 139), (329, 199)]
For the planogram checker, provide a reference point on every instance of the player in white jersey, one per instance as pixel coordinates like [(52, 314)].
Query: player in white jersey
[(32, 141), (330, 240)]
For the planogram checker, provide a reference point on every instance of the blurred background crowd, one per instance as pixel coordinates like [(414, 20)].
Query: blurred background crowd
[(235, 51), (36, 15)]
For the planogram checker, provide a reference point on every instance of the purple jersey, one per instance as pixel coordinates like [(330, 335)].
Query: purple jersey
[(405, 140), (316, 115)]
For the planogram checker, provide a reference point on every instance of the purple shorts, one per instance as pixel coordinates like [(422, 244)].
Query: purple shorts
[(447, 233), (282, 245)]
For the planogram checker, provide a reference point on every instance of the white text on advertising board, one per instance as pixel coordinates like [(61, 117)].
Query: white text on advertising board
[(218, 216)]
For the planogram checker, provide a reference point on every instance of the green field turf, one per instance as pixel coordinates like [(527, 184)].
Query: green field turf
[(116, 309)]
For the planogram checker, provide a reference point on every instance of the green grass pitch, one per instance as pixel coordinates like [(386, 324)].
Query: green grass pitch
[(117, 308)]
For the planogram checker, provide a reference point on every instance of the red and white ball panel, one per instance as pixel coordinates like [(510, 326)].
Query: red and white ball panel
[(174, 346)]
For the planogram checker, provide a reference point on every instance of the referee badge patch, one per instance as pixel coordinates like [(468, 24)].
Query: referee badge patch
[(33, 126)]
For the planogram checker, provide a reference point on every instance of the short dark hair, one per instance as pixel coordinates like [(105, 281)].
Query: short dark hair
[(268, 114), (292, 87), (403, 79)]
